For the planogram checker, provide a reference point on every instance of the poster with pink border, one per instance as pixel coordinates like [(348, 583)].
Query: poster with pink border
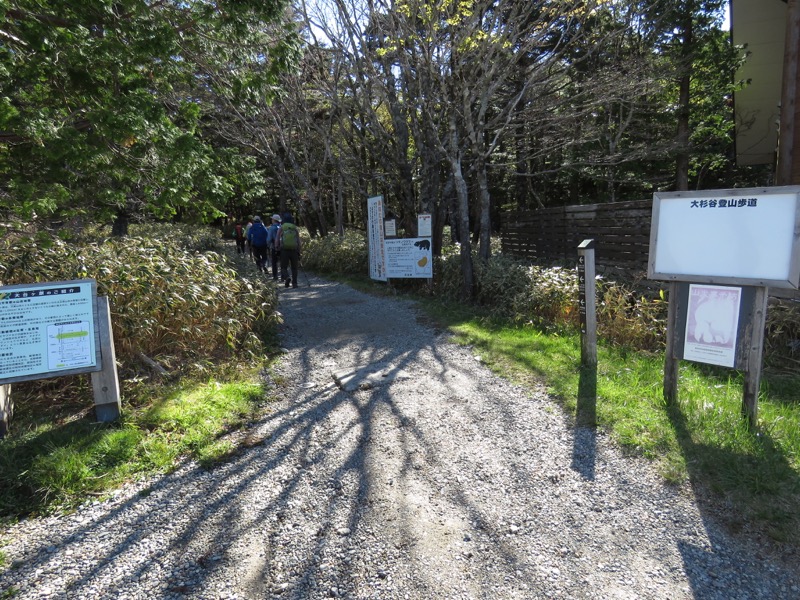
[(712, 324)]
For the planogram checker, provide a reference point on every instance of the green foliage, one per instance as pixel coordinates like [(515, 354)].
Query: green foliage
[(628, 318), (782, 337), (191, 237), (547, 297), (55, 465), (174, 305), (346, 254), (702, 437), (106, 107)]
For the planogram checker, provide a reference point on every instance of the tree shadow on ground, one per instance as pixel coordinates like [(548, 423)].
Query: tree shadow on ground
[(742, 506), (353, 464)]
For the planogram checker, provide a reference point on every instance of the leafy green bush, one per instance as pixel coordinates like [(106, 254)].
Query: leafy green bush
[(168, 303), (782, 338), (630, 319), (193, 238), (447, 278), (512, 289), (346, 254), (550, 297)]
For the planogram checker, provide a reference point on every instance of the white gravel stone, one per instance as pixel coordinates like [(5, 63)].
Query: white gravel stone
[(429, 479)]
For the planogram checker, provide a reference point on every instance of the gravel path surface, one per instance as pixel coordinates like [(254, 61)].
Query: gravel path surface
[(420, 475)]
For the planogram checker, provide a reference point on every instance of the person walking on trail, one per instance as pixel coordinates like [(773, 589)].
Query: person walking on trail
[(289, 246), (239, 236), (272, 238), (247, 238), (258, 241)]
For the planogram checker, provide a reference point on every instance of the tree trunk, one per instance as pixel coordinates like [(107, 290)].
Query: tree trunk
[(462, 195), (339, 200), (684, 109), (121, 223), (485, 248)]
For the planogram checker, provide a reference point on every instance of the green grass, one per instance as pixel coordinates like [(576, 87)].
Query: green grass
[(702, 439), (48, 464)]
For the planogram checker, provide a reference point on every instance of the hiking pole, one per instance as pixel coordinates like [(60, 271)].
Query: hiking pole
[(308, 281)]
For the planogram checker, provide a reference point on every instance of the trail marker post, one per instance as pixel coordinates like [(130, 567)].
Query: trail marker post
[(587, 291)]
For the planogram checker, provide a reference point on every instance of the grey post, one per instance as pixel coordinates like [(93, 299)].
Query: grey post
[(6, 409), (588, 303), (752, 378), (105, 383), (670, 362)]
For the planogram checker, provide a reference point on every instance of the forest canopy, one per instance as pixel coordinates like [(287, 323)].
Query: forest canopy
[(465, 109)]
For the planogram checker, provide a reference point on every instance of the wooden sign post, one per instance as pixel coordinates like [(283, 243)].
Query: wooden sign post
[(105, 383), (586, 415), (588, 303), (64, 328), (721, 250), (6, 409)]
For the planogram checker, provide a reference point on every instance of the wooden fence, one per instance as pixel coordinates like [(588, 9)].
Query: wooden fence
[(621, 231)]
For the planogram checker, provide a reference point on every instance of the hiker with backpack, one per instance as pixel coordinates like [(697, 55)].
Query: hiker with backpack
[(247, 238), (272, 238), (239, 236), (288, 245), (258, 242)]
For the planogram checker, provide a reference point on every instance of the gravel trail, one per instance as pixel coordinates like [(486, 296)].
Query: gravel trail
[(396, 465)]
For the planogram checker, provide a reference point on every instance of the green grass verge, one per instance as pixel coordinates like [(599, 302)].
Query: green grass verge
[(702, 439), (48, 464)]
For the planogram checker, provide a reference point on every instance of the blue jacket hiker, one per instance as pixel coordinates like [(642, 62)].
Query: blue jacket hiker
[(258, 242), (272, 237)]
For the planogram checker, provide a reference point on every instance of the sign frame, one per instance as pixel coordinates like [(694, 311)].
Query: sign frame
[(87, 287), (764, 219), (409, 258), (375, 238), (424, 225)]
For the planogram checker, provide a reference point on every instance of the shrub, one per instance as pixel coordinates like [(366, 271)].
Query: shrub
[(631, 319), (550, 297), (782, 338), (193, 238), (346, 254), (447, 278), (170, 304)]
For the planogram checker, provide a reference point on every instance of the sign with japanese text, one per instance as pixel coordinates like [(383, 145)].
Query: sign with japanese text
[(409, 258), (48, 329), (582, 292), (424, 225), (375, 237), (739, 236)]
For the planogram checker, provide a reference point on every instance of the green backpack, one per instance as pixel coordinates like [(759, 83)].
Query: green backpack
[(289, 236)]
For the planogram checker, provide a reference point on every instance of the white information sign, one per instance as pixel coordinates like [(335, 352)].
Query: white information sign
[(424, 225), (742, 237), (375, 237), (711, 324), (47, 328), (409, 258)]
